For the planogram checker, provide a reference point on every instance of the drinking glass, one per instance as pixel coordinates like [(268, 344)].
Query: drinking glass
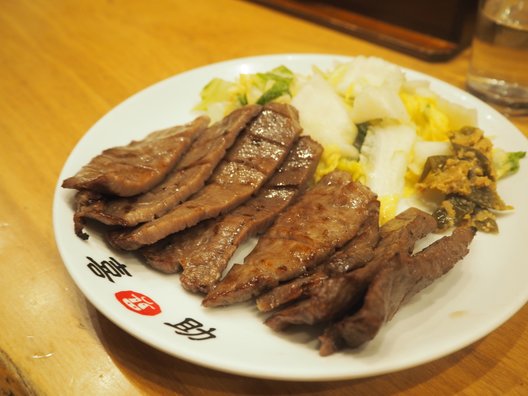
[(498, 71)]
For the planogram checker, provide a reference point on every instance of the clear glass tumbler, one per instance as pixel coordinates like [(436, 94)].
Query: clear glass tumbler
[(498, 71)]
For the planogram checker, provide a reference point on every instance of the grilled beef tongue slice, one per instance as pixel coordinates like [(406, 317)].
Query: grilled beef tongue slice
[(133, 169), (353, 255), (323, 219), (205, 250), (249, 163), (336, 295), (83, 199), (393, 285), (187, 177)]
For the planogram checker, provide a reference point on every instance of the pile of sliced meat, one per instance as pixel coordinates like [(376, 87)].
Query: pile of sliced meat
[(185, 198)]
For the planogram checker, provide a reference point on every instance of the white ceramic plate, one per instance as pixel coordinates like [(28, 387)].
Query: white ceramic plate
[(473, 299)]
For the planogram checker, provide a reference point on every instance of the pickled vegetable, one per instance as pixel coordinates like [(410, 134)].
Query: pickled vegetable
[(467, 180)]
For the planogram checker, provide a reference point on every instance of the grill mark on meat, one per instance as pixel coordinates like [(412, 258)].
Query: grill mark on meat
[(240, 174), (293, 245), (393, 285), (187, 177), (205, 250), (133, 169), (334, 296), (353, 255)]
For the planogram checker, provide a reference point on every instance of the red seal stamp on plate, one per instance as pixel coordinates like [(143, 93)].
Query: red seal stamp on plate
[(138, 302)]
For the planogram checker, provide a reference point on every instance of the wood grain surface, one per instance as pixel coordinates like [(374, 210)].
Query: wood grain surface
[(63, 65)]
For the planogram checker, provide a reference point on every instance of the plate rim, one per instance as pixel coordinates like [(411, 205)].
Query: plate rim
[(108, 313)]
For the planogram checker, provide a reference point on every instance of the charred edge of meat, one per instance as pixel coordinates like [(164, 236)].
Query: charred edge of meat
[(327, 299), (83, 198), (160, 257), (137, 167), (335, 295), (295, 290), (355, 254), (394, 284)]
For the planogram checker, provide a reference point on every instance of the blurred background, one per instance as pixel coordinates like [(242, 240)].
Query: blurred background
[(429, 30)]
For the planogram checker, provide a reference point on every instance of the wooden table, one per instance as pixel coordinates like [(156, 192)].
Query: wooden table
[(63, 65)]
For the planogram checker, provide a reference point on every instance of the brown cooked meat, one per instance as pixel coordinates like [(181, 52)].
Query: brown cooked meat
[(353, 255), (187, 177), (399, 280), (250, 162), (84, 198), (325, 218), (133, 169), (205, 250), (337, 295)]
